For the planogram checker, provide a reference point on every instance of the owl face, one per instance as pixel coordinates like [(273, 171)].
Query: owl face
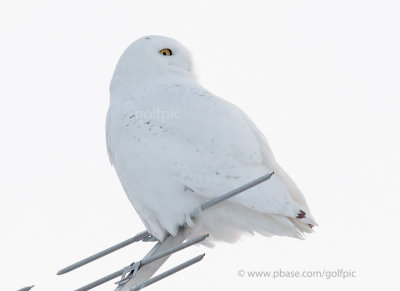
[(155, 56)]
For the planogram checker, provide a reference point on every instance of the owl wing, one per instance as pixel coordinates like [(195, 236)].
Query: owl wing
[(223, 149)]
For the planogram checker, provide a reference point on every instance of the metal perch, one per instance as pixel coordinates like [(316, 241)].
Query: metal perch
[(138, 275)]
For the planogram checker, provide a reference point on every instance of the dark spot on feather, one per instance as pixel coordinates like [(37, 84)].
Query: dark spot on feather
[(301, 214)]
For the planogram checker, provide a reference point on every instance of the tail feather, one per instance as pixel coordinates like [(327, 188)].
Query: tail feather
[(229, 221)]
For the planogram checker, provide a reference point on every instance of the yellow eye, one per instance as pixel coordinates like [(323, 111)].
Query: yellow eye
[(166, 52)]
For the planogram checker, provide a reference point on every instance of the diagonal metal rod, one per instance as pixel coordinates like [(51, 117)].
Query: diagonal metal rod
[(168, 273), (144, 262), (173, 250), (101, 280), (236, 191), (105, 252)]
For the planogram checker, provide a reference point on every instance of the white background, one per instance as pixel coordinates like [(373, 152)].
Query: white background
[(320, 79)]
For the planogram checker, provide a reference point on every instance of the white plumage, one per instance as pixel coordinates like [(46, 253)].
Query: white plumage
[(175, 145)]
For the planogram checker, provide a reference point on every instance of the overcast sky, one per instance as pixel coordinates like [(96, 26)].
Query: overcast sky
[(319, 78)]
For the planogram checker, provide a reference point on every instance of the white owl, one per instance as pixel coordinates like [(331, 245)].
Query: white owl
[(175, 145)]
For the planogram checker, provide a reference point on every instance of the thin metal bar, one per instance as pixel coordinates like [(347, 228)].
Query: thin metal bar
[(173, 250), (26, 288), (101, 281), (168, 273), (143, 262), (236, 191), (105, 252)]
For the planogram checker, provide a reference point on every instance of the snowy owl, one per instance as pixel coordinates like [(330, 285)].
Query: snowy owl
[(175, 145)]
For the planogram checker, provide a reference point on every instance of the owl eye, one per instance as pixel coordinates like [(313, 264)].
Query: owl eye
[(166, 52)]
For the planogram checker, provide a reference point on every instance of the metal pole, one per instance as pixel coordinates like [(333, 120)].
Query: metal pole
[(105, 252), (168, 273), (236, 191), (173, 250)]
